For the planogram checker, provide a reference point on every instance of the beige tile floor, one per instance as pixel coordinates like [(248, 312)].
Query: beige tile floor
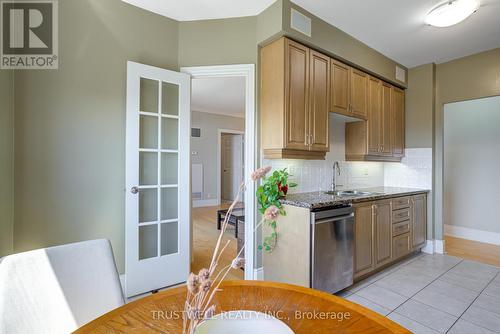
[(434, 294)]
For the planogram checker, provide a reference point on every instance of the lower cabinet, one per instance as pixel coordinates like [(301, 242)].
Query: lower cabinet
[(388, 230), (419, 218), (383, 232)]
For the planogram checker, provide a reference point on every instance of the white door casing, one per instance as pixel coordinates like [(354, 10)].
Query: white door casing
[(158, 189), (248, 72)]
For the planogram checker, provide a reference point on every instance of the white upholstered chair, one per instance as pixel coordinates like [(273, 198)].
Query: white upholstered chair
[(58, 289)]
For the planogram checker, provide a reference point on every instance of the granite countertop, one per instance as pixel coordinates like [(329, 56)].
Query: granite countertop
[(318, 199)]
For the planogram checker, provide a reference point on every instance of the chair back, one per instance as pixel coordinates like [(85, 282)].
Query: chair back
[(58, 289)]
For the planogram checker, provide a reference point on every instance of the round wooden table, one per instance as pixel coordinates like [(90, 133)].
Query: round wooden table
[(304, 310)]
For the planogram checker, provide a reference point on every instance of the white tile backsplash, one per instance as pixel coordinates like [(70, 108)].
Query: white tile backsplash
[(414, 171)]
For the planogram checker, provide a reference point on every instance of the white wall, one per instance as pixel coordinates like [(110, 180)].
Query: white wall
[(471, 165), (205, 147)]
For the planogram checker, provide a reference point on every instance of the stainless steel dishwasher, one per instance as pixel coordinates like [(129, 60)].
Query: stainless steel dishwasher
[(332, 248)]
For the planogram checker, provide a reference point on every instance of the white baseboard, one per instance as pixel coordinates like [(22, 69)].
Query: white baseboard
[(258, 274), (429, 247), (205, 202), (439, 246), (472, 234)]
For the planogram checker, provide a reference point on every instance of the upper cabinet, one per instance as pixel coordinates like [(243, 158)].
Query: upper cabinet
[(398, 120), (349, 89), (295, 99), (300, 87), (381, 137)]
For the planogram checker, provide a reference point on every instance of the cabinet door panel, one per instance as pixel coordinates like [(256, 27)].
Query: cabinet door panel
[(319, 101), (398, 122), (383, 232), (359, 93), (340, 87), (374, 113), (419, 226), (296, 92), (386, 135), (363, 240)]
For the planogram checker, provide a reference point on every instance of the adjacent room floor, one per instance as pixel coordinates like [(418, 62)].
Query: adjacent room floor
[(473, 250), (435, 294), (205, 234)]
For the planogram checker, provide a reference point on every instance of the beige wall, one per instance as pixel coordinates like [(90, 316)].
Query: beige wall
[(206, 145), (337, 43), (466, 78), (420, 97), (70, 124), (6, 166)]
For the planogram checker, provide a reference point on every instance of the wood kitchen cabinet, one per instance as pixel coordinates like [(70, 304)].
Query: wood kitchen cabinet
[(349, 90), (383, 231), (419, 221), (398, 122), (387, 230), (295, 100), (364, 259), (381, 137)]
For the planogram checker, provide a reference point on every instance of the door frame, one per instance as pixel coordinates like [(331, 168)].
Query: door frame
[(219, 157), (246, 71)]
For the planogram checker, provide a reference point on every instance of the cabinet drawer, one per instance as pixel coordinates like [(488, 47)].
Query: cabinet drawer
[(400, 245), (401, 203), (400, 228), (400, 215)]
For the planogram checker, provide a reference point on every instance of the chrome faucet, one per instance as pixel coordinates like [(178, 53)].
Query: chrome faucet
[(336, 171)]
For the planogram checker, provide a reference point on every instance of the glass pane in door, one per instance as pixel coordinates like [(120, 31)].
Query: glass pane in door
[(148, 96), (148, 168), (169, 203), (169, 169), (148, 241), (148, 205), (169, 238), (148, 132), (169, 133), (170, 99)]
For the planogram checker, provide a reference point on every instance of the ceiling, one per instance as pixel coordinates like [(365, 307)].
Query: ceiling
[(396, 28), (191, 10), (393, 27), (224, 95)]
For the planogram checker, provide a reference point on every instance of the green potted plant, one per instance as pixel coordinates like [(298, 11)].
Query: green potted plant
[(269, 193)]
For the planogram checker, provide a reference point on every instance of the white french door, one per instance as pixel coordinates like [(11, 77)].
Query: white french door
[(157, 225)]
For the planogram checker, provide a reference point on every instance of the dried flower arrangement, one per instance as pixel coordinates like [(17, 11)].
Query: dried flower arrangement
[(203, 286)]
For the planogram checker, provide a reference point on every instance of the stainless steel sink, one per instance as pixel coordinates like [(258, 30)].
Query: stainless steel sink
[(348, 193)]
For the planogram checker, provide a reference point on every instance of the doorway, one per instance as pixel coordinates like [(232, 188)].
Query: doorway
[(231, 168), (471, 181), (218, 102)]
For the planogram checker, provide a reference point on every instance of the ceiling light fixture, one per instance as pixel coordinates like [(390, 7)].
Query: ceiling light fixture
[(451, 12)]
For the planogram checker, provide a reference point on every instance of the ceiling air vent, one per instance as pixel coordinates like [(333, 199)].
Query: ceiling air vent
[(196, 132), (300, 22)]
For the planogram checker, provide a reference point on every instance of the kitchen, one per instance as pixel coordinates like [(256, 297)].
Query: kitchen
[(349, 124)]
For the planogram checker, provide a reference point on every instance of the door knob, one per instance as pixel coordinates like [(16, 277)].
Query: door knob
[(134, 190)]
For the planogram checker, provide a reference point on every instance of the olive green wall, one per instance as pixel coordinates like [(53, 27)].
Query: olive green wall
[(218, 42), (335, 42), (466, 78), (70, 124), (6, 164), (420, 99)]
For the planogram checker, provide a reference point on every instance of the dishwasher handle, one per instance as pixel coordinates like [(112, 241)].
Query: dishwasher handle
[(335, 219)]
